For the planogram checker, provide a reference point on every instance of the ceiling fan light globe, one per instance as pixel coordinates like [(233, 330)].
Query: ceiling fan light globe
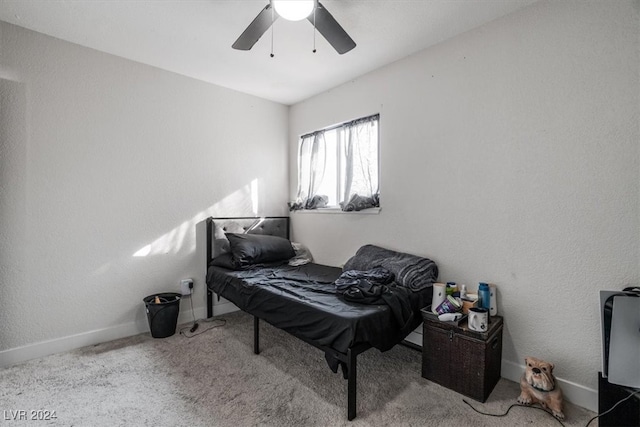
[(293, 10)]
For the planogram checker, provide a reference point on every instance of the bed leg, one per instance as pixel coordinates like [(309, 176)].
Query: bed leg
[(351, 384), (256, 335), (209, 303)]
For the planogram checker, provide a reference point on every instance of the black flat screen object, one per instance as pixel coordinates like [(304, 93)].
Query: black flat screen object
[(625, 414)]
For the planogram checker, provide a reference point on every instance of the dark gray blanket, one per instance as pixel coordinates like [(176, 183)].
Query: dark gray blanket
[(376, 286), (364, 279), (411, 271)]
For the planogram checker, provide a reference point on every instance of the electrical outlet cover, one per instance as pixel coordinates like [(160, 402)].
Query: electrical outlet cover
[(185, 288)]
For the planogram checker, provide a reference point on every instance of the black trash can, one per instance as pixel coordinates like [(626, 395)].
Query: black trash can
[(162, 313)]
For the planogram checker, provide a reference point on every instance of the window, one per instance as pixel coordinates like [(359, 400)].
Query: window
[(338, 167)]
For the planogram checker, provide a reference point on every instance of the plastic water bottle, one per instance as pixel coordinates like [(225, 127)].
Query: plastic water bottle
[(484, 295), (451, 288)]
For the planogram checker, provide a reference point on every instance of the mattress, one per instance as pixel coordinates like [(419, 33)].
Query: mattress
[(302, 300)]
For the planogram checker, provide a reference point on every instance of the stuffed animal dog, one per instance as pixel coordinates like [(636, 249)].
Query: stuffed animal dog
[(538, 385)]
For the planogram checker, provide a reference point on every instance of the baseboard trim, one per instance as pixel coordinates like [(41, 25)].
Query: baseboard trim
[(21, 354), (222, 308), (414, 338), (573, 392), (27, 352)]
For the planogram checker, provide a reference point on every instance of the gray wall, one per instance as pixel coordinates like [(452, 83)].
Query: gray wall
[(106, 167), (509, 154)]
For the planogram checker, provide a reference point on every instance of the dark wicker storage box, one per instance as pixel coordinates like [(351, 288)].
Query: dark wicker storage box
[(461, 359)]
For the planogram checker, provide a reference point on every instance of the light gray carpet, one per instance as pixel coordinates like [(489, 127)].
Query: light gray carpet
[(214, 379)]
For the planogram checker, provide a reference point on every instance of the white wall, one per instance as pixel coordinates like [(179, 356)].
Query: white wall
[(510, 155), (102, 158)]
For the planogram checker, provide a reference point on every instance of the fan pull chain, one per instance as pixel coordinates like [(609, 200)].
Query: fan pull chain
[(272, 21), (314, 29)]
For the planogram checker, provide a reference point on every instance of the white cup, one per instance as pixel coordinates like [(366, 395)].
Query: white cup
[(478, 319), (439, 295)]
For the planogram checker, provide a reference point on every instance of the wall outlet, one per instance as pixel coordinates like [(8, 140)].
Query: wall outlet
[(186, 286)]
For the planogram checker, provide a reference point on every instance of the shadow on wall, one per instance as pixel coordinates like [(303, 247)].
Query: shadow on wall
[(183, 237), (13, 154)]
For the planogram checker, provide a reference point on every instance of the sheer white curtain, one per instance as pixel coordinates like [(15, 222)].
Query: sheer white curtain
[(360, 168), (312, 162)]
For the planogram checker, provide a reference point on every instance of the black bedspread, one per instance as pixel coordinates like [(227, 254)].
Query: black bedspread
[(302, 300)]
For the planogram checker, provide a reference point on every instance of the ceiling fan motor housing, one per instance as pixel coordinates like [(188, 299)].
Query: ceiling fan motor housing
[(318, 15)]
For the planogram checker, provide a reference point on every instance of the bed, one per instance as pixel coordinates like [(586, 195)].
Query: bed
[(303, 299)]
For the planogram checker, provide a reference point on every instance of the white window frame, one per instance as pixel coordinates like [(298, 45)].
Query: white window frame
[(340, 143)]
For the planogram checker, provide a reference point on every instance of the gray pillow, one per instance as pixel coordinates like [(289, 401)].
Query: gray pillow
[(250, 249), (220, 242), (224, 260)]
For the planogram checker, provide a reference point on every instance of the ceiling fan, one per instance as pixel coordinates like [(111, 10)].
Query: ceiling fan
[(296, 10)]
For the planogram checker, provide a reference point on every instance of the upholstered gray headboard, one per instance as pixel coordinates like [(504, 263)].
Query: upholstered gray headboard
[(216, 227)]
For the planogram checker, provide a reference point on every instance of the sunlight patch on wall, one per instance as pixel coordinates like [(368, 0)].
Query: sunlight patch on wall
[(254, 196), (102, 269), (7, 73), (245, 201)]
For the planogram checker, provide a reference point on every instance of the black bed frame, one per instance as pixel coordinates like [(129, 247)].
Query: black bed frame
[(348, 359)]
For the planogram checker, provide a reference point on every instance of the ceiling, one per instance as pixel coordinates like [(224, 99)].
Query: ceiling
[(194, 37)]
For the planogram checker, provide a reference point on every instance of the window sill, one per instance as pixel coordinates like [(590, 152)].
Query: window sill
[(370, 211)]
